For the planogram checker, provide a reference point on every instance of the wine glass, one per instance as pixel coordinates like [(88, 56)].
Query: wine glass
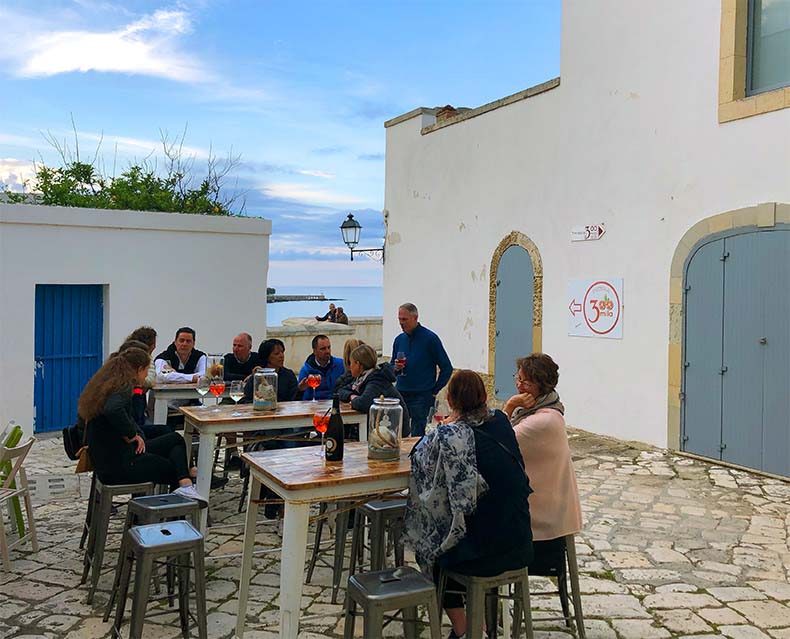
[(236, 394), (321, 423), (217, 388), (441, 410), (202, 387), (400, 358), (314, 381)]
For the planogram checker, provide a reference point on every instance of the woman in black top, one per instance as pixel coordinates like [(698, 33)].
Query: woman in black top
[(119, 453), (272, 355), (468, 510)]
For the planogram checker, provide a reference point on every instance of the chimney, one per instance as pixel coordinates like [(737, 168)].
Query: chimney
[(445, 113)]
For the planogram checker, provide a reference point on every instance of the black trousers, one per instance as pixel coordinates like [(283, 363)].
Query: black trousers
[(163, 462)]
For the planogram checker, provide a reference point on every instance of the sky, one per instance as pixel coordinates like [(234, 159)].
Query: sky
[(298, 90)]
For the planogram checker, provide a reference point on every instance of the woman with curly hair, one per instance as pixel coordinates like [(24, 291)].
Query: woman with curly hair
[(119, 453)]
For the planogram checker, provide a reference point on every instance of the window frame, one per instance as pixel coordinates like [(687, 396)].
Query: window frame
[(750, 42)]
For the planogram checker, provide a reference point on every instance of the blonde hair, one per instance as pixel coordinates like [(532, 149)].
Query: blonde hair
[(365, 356), (350, 345)]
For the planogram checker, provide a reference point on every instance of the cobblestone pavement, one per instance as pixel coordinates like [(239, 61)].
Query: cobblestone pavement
[(671, 547)]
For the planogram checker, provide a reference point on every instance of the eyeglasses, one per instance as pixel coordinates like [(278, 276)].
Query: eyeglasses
[(519, 380)]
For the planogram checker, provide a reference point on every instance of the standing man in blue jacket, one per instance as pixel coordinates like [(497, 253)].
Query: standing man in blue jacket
[(321, 361), (417, 380)]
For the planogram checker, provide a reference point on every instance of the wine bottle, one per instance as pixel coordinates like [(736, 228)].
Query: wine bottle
[(335, 432)]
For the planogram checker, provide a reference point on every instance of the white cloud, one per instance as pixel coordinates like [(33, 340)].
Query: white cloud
[(18, 140), (305, 193), (138, 145), (145, 46), (303, 272), (321, 174), (14, 173)]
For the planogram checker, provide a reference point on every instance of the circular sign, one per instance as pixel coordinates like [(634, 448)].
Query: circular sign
[(601, 307)]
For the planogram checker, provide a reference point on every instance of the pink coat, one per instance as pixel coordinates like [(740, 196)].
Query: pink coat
[(554, 506)]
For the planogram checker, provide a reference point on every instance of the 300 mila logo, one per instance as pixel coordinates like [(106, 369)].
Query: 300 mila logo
[(330, 445)]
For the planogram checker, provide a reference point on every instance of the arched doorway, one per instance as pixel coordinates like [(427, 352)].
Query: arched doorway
[(516, 308), (735, 371)]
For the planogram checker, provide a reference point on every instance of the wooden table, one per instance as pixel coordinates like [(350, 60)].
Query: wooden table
[(209, 423), (301, 478), (165, 392)]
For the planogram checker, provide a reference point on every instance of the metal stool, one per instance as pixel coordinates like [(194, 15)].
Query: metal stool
[(479, 589), (99, 513), (394, 589), (339, 546), (152, 510), (177, 539), (89, 513), (384, 515), (561, 573)]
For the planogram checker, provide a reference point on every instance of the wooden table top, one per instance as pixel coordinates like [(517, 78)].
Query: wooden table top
[(175, 386), (300, 468), (285, 410)]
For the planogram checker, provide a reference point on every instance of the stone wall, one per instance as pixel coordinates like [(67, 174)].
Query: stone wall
[(297, 334)]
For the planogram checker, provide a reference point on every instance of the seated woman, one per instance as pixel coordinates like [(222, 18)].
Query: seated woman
[(120, 455), (536, 415), (369, 382), (468, 510), (272, 354), (346, 378)]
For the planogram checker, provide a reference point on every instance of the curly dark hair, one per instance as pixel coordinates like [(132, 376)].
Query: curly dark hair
[(540, 369), (117, 373)]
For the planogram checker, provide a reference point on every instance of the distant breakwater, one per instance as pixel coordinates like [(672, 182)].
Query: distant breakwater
[(320, 297)]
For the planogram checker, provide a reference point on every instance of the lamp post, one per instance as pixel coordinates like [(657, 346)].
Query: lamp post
[(351, 230)]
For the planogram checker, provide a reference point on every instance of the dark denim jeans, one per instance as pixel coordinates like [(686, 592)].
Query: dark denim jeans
[(419, 404)]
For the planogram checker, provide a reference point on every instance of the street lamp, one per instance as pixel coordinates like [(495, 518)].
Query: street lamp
[(351, 230)]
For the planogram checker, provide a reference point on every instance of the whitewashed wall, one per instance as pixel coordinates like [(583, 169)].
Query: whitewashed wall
[(630, 138), (162, 269)]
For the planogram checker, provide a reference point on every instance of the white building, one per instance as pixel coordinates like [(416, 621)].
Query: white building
[(75, 282), (652, 132)]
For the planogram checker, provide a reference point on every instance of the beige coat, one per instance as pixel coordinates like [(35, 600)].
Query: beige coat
[(554, 506)]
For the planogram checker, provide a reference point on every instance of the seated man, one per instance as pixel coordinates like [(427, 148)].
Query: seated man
[(322, 363), (240, 363), (330, 316), (181, 362), (341, 317)]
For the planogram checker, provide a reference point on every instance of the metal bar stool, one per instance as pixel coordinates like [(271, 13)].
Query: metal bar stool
[(478, 589), (339, 545), (558, 569), (152, 509), (386, 590), (146, 544), (383, 515), (89, 513), (103, 495)]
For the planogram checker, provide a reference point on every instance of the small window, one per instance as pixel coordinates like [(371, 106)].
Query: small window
[(768, 52)]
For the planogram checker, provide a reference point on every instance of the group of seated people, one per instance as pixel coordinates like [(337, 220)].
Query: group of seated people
[(490, 490), (336, 315)]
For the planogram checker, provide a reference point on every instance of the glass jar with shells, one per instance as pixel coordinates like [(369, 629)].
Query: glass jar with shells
[(384, 428)]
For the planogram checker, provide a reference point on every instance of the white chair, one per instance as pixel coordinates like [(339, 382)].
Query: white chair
[(15, 485)]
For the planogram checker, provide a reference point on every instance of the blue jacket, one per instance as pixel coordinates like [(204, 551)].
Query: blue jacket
[(424, 353), (329, 375)]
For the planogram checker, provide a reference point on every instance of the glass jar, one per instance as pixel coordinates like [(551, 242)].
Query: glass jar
[(384, 428), (264, 389)]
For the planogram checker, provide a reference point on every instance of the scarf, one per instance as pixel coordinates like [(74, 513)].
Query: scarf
[(359, 381), (549, 400), (444, 487)]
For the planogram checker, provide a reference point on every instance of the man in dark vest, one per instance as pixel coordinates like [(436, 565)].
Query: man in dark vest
[(181, 362)]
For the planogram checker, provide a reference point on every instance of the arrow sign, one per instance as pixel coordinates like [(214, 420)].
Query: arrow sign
[(575, 307), (587, 233)]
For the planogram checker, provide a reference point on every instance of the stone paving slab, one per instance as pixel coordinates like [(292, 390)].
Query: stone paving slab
[(671, 547)]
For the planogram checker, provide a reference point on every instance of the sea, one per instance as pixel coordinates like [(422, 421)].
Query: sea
[(356, 301)]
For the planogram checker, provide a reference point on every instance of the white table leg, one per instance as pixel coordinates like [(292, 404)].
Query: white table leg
[(160, 410), (246, 559), (205, 462), (363, 431), (292, 567)]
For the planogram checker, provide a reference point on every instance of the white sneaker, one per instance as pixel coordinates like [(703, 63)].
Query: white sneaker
[(190, 493)]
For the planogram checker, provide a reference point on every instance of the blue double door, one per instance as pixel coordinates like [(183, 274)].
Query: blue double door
[(69, 335), (736, 381)]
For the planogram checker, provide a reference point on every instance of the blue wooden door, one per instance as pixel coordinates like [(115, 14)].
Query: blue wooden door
[(514, 315), (736, 404), (68, 350), (702, 357)]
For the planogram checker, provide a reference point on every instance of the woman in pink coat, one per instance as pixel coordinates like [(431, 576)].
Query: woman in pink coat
[(536, 415)]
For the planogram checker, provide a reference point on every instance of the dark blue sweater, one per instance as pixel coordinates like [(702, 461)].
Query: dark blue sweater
[(424, 353)]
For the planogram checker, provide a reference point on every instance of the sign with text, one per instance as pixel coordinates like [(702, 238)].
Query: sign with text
[(595, 308), (587, 233)]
